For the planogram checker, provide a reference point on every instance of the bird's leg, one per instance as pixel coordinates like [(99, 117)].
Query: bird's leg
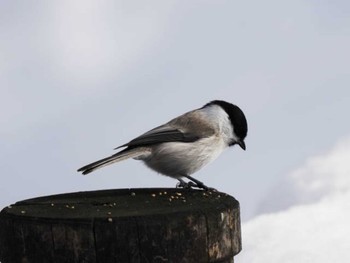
[(199, 184), (184, 185)]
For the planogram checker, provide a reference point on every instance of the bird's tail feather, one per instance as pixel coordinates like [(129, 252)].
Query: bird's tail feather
[(120, 156)]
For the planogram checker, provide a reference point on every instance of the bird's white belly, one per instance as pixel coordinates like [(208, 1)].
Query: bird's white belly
[(177, 158)]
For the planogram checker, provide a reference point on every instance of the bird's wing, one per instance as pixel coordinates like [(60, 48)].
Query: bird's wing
[(186, 128), (161, 134)]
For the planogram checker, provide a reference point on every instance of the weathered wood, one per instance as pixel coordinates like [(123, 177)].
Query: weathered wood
[(125, 225)]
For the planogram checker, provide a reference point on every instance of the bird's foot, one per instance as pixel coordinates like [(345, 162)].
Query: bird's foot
[(200, 185), (194, 183), (182, 184)]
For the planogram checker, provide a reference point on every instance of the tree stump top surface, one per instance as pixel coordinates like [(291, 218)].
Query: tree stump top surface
[(119, 203)]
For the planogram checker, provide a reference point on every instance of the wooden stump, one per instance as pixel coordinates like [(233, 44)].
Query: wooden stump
[(124, 225)]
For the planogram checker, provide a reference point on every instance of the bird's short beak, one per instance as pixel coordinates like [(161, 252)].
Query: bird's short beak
[(241, 144)]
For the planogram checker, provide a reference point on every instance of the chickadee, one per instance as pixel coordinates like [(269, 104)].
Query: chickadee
[(185, 144)]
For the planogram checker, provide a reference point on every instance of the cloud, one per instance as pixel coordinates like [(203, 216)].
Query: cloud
[(60, 55), (315, 227), (320, 176), (305, 233), (100, 40)]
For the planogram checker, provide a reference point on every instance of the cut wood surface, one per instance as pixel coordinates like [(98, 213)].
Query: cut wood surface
[(123, 225)]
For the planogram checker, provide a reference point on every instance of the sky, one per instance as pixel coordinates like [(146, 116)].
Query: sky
[(79, 78)]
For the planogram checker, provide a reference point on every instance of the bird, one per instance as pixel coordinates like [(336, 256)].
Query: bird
[(185, 144)]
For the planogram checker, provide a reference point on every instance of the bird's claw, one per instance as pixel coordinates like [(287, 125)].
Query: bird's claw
[(184, 185), (191, 185)]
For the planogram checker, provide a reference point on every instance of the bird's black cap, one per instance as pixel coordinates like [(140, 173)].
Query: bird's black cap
[(236, 115)]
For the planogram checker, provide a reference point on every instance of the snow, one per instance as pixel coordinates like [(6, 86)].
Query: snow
[(315, 227)]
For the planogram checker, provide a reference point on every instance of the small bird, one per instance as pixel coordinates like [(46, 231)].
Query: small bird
[(185, 144)]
